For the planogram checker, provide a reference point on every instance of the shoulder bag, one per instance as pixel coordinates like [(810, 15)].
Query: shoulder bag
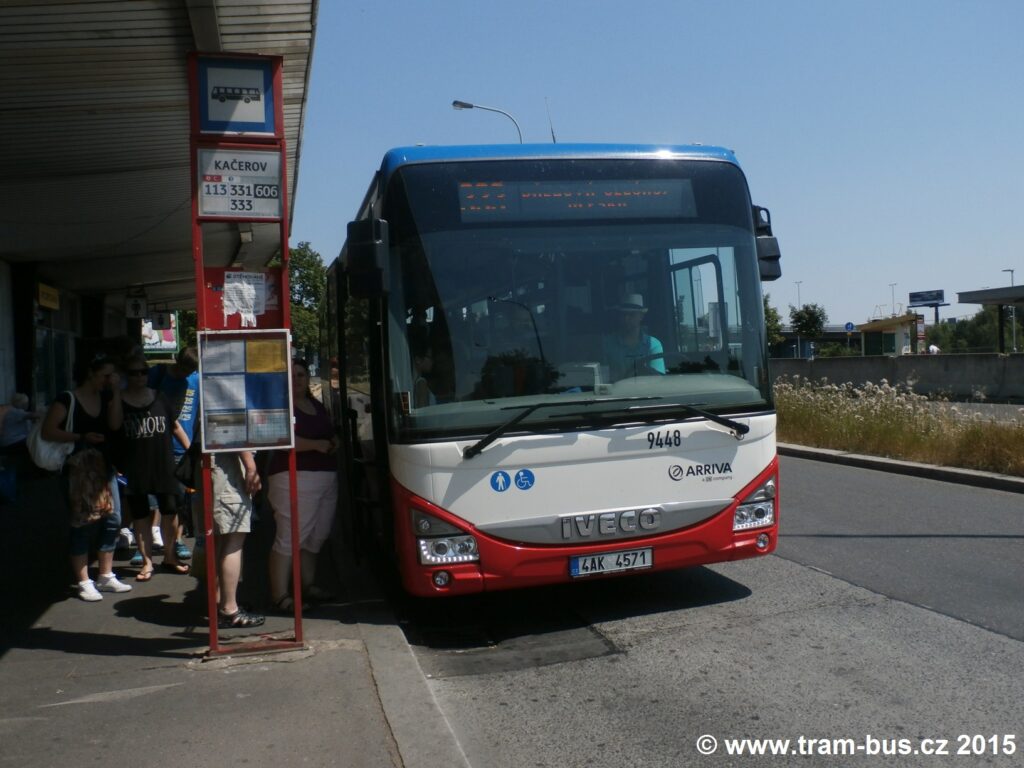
[(47, 454), (188, 471)]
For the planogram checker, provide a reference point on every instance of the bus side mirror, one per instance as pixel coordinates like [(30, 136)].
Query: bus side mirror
[(366, 253), (768, 253), (768, 258)]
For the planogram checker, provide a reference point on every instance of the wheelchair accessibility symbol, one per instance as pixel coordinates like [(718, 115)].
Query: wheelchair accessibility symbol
[(500, 481), (524, 479)]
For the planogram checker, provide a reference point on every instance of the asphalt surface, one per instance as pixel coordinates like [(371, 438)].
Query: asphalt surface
[(952, 548), (128, 679)]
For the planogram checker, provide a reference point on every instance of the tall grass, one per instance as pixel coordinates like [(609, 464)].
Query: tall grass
[(892, 421)]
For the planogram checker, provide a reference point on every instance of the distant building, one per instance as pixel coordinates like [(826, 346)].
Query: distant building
[(900, 335)]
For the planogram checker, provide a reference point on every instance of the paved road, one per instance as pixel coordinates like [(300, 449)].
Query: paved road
[(633, 671), (956, 549)]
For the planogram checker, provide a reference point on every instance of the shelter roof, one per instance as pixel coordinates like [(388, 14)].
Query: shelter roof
[(95, 174), (1012, 294)]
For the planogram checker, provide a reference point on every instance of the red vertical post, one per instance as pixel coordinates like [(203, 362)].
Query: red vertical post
[(202, 324), (293, 488), (207, 133)]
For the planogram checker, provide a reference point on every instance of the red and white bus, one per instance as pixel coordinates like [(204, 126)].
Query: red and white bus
[(550, 364)]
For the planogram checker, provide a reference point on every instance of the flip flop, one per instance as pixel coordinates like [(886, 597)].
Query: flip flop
[(181, 569), (144, 575)]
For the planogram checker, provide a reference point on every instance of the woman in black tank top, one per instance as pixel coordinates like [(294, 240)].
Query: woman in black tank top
[(146, 422)]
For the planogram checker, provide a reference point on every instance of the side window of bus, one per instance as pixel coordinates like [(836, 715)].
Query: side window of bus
[(700, 309), (356, 341)]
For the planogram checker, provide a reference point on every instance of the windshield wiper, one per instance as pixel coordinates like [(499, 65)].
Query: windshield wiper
[(477, 447), (738, 429)]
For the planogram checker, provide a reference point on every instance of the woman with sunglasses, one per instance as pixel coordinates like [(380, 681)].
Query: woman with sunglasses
[(146, 421)]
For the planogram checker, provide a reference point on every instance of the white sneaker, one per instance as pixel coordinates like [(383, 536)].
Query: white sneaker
[(87, 591), (158, 538), (111, 584), (125, 539)]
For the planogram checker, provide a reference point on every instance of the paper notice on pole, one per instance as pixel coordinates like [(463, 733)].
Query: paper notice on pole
[(245, 293), (224, 393)]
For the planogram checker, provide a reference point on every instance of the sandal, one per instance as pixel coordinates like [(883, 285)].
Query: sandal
[(144, 575), (238, 620), (181, 569)]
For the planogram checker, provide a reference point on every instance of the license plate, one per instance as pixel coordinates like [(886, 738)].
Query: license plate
[(610, 562)]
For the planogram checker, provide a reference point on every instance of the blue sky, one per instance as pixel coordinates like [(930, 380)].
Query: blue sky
[(886, 138)]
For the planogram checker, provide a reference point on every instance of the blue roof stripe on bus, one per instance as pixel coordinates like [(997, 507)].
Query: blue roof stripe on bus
[(400, 156)]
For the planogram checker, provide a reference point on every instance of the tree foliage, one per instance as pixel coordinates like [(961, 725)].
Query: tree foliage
[(187, 328), (979, 333), (837, 349), (809, 320), (307, 286), (772, 323)]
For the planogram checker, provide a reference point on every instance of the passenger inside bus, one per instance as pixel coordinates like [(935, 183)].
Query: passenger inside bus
[(515, 363), (422, 364), (629, 350)]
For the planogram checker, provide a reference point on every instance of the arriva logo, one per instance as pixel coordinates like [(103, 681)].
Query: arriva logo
[(611, 523), (677, 472)]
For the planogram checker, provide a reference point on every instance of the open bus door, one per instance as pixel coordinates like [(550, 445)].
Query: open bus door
[(354, 295)]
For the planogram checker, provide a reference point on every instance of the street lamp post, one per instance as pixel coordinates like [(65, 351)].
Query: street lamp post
[(467, 105), (1013, 313), (892, 290), (799, 306)]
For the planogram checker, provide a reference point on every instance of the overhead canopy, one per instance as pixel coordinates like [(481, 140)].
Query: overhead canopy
[(888, 324), (1011, 295), (94, 173)]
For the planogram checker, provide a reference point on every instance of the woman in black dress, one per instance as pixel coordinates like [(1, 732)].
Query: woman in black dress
[(146, 421)]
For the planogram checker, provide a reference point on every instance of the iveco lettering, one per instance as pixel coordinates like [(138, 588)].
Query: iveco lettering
[(549, 364)]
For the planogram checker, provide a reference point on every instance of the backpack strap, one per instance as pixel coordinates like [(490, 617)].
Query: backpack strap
[(69, 420)]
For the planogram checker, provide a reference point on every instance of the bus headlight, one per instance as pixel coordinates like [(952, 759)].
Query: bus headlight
[(757, 510), (441, 543), (447, 550)]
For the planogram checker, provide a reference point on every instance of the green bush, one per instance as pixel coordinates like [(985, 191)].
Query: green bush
[(893, 422)]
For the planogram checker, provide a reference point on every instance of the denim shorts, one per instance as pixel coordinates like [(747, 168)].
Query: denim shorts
[(103, 532)]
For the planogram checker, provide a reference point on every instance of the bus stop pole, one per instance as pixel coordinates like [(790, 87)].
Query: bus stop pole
[(293, 488)]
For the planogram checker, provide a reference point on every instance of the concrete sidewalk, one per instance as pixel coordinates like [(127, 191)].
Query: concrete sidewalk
[(127, 680)]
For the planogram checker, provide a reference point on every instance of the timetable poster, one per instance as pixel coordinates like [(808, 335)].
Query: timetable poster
[(245, 390)]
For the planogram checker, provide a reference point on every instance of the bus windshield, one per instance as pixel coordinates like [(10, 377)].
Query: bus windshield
[(613, 282)]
